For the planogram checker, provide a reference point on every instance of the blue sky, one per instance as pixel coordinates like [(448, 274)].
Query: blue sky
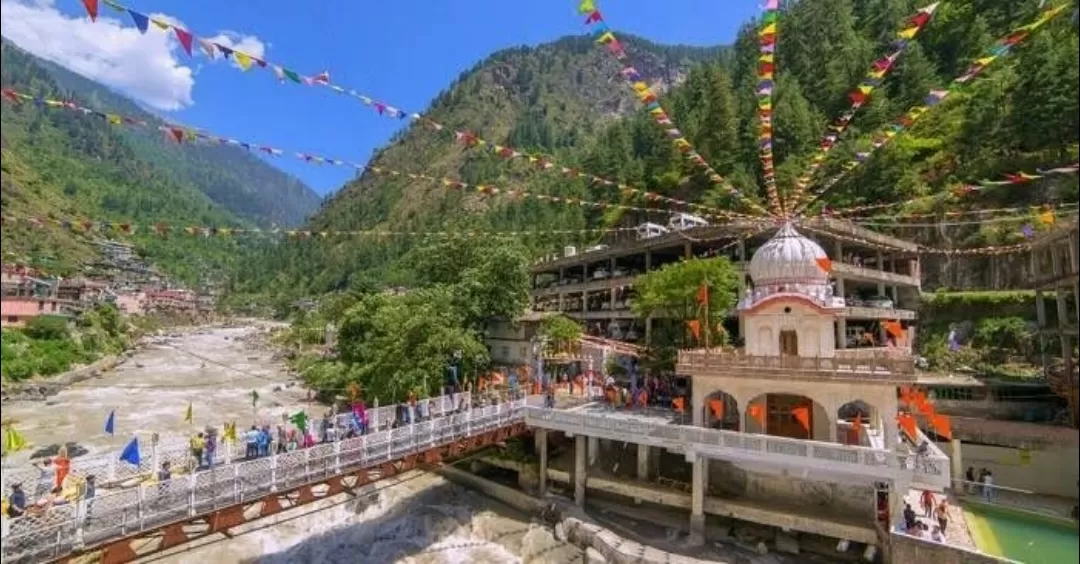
[(404, 54)]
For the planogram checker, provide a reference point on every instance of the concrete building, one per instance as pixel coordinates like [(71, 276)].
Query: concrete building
[(1054, 271), (876, 276), (791, 431)]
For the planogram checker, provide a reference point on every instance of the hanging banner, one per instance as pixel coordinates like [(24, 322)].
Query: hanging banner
[(244, 61), (861, 94), (648, 99), (181, 134), (1022, 177), (1000, 49), (766, 76)]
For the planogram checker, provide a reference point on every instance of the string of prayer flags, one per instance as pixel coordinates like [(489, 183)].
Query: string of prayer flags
[(766, 75), (1001, 48), (283, 74), (649, 100), (165, 230), (861, 94), (181, 134), (1023, 212), (1024, 177), (990, 250)]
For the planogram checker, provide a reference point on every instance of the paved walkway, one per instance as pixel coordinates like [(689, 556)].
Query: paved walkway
[(956, 533)]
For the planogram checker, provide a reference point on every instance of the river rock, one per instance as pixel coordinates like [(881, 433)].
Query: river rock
[(593, 556)]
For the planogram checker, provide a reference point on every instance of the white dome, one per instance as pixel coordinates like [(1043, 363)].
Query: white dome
[(789, 258)]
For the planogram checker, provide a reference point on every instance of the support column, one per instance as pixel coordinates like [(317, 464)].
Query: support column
[(580, 471), (1040, 316), (956, 462), (540, 436), (688, 250), (841, 322), (697, 505), (643, 452), (594, 450)]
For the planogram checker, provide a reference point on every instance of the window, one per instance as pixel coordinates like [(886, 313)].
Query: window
[(41, 305), (13, 319), (523, 352), (504, 352)]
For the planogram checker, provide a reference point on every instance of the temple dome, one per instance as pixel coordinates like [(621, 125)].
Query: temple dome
[(789, 258)]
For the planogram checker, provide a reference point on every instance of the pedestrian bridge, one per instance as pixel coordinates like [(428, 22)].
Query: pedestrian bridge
[(132, 515)]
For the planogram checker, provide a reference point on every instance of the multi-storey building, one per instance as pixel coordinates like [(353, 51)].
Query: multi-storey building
[(875, 276), (1054, 273)]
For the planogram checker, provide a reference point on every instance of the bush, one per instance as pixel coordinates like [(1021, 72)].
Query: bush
[(47, 328)]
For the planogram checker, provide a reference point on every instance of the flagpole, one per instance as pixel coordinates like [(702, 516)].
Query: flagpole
[(708, 326)]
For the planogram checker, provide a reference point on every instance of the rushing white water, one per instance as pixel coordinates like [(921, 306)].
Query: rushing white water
[(418, 518)]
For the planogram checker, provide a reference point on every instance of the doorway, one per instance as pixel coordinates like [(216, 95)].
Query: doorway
[(789, 343), (781, 420)]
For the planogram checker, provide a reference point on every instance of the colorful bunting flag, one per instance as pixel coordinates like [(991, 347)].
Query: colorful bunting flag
[(1002, 47), (859, 96), (186, 135), (648, 99), (766, 68)]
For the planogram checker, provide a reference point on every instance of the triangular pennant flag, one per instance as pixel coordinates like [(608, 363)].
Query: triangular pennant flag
[(141, 21), (91, 9), (185, 37), (189, 413), (131, 453), (110, 423), (242, 59)]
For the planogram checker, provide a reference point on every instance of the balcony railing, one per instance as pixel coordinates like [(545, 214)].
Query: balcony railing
[(883, 364)]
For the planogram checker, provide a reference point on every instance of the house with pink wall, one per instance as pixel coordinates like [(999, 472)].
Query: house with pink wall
[(15, 311), (131, 303)]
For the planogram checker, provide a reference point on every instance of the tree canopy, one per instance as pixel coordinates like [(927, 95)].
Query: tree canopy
[(675, 290)]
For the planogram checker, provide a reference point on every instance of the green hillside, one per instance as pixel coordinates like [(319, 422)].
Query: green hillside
[(566, 99), (67, 165)]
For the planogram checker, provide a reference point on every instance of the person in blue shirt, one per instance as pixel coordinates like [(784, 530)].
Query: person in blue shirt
[(17, 501)]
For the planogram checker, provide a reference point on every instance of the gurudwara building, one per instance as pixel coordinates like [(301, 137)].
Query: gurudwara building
[(790, 431)]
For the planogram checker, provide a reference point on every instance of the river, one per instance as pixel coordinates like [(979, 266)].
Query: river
[(417, 518)]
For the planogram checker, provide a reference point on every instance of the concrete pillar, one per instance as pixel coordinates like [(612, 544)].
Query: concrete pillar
[(892, 435), (688, 250), (643, 462), (956, 461), (613, 297), (540, 436), (833, 431), (648, 260), (697, 505), (580, 471), (594, 450), (1040, 316)]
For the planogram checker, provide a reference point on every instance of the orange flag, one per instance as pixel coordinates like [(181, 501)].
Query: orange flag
[(942, 426), (695, 328), (756, 411), (907, 423), (802, 415), (717, 408), (703, 294), (824, 264), (857, 424), (678, 404)]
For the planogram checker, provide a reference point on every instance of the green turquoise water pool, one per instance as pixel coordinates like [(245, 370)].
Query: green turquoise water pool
[(1022, 536)]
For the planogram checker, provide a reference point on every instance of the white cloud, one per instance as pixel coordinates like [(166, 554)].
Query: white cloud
[(150, 68)]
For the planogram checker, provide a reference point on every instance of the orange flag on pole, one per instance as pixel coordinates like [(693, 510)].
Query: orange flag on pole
[(857, 424), (695, 328), (757, 412), (717, 408), (907, 423), (942, 426), (678, 404), (703, 294), (802, 415)]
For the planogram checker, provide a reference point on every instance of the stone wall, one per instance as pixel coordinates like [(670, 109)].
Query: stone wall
[(906, 549), (856, 501)]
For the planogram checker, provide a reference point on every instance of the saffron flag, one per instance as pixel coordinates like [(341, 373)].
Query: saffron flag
[(717, 408), (802, 415), (131, 453), (907, 424), (110, 423), (189, 413), (695, 328), (942, 426), (757, 412), (678, 404), (857, 425), (703, 294)]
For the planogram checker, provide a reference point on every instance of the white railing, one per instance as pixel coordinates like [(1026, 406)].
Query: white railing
[(932, 468), (878, 366), (109, 469), (63, 528)]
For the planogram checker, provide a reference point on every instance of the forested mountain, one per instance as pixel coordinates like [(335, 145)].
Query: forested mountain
[(566, 99), (71, 165)]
